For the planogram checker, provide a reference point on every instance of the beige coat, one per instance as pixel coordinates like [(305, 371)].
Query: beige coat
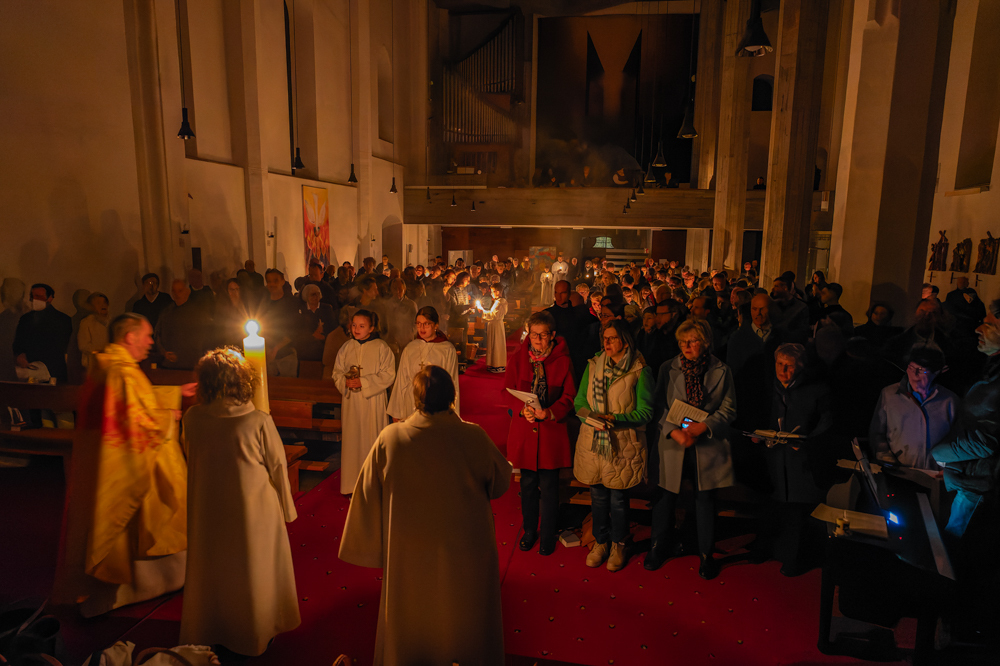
[(627, 466), (421, 510), (496, 334), (240, 589)]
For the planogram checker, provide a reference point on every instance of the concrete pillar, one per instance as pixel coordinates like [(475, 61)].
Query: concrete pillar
[(364, 111), (242, 18), (734, 142), (889, 151), (708, 84), (795, 120), (696, 250)]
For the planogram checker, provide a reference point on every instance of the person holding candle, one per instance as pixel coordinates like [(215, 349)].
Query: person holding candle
[(496, 330), (431, 347), (364, 369)]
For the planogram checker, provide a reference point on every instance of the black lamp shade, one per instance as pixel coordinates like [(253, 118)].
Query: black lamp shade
[(632, 196), (453, 202), (473, 206), (659, 161), (755, 42), (687, 130), (297, 163), (393, 190), (185, 131), (639, 190), (624, 210), (352, 178), (628, 203)]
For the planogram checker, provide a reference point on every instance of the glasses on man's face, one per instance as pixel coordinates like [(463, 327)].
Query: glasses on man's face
[(610, 338), (539, 336), (919, 369)]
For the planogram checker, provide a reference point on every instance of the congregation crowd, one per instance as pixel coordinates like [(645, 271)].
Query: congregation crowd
[(608, 352)]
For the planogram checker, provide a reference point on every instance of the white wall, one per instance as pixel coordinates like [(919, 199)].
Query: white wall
[(218, 218), (69, 206), (968, 216), (208, 80)]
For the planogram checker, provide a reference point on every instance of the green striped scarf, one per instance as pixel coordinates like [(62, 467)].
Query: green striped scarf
[(612, 372)]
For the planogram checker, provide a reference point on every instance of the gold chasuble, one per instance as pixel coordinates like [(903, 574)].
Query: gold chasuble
[(125, 532)]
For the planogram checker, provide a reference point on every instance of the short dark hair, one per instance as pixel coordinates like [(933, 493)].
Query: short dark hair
[(49, 291), (429, 312), (835, 288), (124, 324), (926, 357), (785, 281), (225, 373), (433, 390), (151, 275), (371, 317), (269, 271), (880, 304)]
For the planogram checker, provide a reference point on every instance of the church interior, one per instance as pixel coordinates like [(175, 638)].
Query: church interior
[(717, 278)]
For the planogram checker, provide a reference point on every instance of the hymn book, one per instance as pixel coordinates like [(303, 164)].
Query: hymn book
[(681, 410)]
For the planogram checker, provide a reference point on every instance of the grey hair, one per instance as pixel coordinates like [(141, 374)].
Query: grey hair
[(308, 289), (792, 350)]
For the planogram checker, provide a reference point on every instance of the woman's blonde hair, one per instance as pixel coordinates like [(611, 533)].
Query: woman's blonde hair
[(225, 373), (700, 328)]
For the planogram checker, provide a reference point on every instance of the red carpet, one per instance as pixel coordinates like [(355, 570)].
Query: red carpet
[(554, 607)]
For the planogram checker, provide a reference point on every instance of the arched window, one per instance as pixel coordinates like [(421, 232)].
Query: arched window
[(763, 93)]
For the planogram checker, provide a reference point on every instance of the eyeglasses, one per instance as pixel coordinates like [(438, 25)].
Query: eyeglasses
[(539, 336), (920, 370), (609, 338), (688, 343)]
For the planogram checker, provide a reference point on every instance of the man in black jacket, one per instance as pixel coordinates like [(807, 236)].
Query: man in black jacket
[(970, 454), (43, 334)]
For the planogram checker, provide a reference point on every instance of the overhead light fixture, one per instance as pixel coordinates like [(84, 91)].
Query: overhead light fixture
[(297, 164), (628, 203), (755, 42), (453, 202), (632, 196), (659, 161), (185, 131), (687, 130), (624, 210), (393, 190), (639, 190), (473, 206), (428, 195), (352, 179)]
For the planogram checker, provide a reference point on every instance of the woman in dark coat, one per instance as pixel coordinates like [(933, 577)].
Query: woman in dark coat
[(538, 443)]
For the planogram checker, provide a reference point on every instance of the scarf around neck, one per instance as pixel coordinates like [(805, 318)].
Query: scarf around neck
[(694, 379), (612, 373), (539, 382)]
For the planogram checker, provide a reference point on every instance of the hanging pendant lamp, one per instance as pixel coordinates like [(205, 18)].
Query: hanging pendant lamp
[(453, 202), (352, 179), (659, 161), (297, 164), (632, 196), (755, 42), (428, 195), (185, 131), (639, 190), (473, 206), (687, 130), (393, 190), (628, 203), (624, 210)]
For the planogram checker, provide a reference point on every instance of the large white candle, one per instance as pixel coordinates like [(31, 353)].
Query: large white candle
[(253, 350)]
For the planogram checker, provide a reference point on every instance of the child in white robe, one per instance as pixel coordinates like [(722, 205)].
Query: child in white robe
[(548, 282), (496, 331), (364, 369), (430, 347)]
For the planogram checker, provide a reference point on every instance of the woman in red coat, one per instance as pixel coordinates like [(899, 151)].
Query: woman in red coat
[(538, 443)]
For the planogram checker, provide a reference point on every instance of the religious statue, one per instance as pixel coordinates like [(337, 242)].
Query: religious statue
[(961, 256), (989, 249), (939, 253)]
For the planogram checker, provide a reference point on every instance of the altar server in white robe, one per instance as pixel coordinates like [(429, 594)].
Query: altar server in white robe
[(364, 369), (431, 347), (547, 280), (496, 331), (421, 511), (240, 589)]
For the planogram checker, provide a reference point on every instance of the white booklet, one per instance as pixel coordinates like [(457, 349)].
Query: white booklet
[(680, 410), (529, 399)]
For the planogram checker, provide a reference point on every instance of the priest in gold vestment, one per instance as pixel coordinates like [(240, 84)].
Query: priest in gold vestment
[(421, 510), (124, 534)]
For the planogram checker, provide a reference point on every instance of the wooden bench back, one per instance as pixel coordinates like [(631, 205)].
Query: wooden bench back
[(59, 398)]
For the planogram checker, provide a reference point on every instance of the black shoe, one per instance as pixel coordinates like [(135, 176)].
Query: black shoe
[(547, 547), (655, 558), (528, 540), (709, 568)]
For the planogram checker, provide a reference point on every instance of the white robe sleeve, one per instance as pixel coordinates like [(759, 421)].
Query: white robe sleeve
[(273, 452), (450, 364), (362, 542), (400, 406), (378, 381), (340, 367)]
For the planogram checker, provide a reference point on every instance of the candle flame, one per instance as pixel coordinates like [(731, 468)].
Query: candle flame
[(252, 327)]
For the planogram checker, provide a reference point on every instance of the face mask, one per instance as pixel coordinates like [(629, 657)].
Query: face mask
[(37, 306)]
